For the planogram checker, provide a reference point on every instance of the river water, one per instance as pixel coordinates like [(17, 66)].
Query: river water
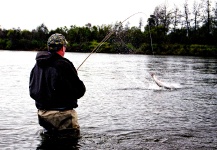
[(123, 108)]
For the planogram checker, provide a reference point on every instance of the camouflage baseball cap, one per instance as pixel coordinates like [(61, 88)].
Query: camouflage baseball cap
[(56, 40)]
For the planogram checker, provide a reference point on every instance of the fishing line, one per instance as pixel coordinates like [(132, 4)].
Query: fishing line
[(150, 36), (151, 39), (158, 82), (152, 50), (105, 39)]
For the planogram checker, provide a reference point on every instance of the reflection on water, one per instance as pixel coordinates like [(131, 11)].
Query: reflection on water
[(58, 142), (123, 107)]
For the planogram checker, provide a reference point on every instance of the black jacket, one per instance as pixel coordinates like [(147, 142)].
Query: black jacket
[(54, 83)]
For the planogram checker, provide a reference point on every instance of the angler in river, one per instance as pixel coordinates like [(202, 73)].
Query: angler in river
[(55, 86)]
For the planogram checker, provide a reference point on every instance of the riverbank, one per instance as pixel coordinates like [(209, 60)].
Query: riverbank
[(163, 49)]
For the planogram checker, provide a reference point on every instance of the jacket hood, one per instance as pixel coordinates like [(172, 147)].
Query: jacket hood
[(44, 58)]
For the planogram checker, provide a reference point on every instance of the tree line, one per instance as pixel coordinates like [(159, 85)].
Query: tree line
[(176, 31)]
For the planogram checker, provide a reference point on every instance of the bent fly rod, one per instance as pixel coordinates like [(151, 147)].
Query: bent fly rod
[(160, 84), (105, 39)]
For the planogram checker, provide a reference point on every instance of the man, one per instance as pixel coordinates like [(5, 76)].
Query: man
[(55, 87)]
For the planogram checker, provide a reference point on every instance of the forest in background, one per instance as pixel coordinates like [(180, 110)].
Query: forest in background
[(176, 31)]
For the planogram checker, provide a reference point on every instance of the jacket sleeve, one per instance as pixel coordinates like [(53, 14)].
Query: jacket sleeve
[(80, 90), (73, 86)]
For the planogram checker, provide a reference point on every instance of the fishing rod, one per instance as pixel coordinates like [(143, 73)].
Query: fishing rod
[(105, 39), (109, 35)]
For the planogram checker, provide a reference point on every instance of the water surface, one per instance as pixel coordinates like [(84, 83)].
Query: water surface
[(123, 108)]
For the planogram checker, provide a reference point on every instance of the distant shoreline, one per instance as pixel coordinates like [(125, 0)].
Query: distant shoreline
[(196, 50)]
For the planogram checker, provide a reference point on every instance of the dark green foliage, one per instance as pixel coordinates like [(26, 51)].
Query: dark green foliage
[(164, 35)]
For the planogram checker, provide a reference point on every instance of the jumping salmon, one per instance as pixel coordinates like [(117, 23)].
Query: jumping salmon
[(160, 83)]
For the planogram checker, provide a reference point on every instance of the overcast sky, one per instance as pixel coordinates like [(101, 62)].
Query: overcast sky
[(28, 14)]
